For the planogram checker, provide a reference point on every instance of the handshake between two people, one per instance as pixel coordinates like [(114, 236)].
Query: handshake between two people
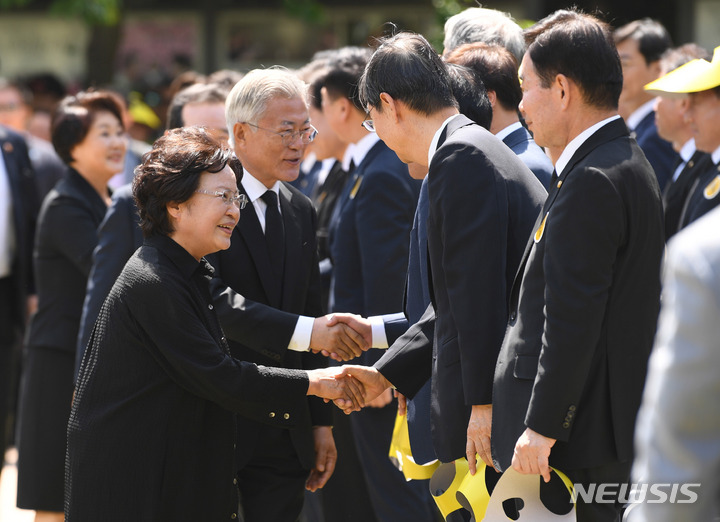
[(341, 336), (350, 387)]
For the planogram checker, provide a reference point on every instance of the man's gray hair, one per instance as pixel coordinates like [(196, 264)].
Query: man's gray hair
[(479, 24), (248, 100)]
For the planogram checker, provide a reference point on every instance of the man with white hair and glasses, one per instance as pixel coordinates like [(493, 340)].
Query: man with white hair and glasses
[(273, 260)]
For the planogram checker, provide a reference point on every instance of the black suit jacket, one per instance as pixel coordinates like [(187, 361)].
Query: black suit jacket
[(369, 241), (25, 208), (658, 151), (583, 309), (119, 235), (704, 195), (151, 432), (48, 167), (483, 202), (522, 143), (64, 243), (245, 267), (676, 192), (325, 200)]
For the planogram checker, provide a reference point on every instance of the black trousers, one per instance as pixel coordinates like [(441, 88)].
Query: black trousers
[(345, 497), (9, 361), (612, 473), (272, 483)]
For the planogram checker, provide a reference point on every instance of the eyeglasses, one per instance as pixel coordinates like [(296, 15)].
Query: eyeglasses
[(9, 107), (369, 125), (228, 197), (289, 136)]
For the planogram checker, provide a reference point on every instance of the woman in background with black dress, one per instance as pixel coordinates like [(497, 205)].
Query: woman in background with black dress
[(88, 135)]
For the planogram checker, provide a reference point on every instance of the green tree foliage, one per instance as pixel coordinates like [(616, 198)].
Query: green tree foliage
[(95, 12)]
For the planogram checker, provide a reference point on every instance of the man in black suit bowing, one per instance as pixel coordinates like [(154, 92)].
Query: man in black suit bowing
[(584, 303), (482, 203), (273, 260), (18, 211)]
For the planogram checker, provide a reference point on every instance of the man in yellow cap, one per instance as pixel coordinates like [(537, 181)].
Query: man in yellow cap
[(672, 126), (700, 81)]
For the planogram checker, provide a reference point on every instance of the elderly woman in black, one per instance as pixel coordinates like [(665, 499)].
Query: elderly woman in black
[(88, 135), (151, 431)]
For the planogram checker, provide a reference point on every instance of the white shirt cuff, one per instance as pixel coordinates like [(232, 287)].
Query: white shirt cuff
[(379, 339), (300, 341)]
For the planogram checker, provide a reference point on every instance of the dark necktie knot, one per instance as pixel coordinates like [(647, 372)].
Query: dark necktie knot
[(270, 198)]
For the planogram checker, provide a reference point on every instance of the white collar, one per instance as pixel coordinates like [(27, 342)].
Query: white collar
[(688, 150), (507, 131), (308, 163), (362, 147), (716, 156), (639, 114), (436, 138), (572, 147), (254, 188)]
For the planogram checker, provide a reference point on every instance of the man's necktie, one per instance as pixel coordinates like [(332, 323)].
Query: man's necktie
[(274, 233)]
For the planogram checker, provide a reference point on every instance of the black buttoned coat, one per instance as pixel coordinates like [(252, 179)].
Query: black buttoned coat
[(152, 427)]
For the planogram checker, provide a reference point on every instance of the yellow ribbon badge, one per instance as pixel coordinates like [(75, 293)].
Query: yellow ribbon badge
[(713, 188), (541, 229)]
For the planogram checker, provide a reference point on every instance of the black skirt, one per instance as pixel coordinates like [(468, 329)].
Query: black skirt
[(45, 398)]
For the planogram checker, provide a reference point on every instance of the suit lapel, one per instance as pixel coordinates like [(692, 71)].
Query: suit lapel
[(251, 232), (352, 186), (293, 244), (456, 123), (679, 188), (612, 130)]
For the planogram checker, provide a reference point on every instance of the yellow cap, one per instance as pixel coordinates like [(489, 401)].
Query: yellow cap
[(141, 112), (695, 76)]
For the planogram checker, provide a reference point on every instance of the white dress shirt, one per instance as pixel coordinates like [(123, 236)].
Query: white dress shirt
[(507, 131), (572, 147), (686, 153), (639, 114), (300, 340)]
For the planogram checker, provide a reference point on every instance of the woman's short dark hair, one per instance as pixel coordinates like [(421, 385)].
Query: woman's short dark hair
[(580, 47), (170, 172), (75, 115)]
